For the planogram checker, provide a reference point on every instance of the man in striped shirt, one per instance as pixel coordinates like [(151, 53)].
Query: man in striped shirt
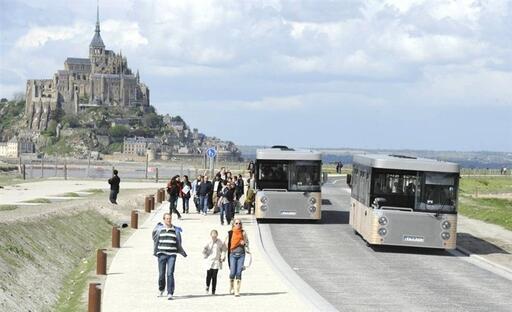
[(167, 239)]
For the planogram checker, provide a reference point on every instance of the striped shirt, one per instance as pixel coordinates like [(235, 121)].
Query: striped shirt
[(167, 242)]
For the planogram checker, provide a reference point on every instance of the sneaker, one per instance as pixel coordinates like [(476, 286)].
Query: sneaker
[(207, 290), (160, 293), (169, 297)]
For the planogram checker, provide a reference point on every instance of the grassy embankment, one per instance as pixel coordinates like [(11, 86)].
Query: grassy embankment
[(45, 265), (488, 199)]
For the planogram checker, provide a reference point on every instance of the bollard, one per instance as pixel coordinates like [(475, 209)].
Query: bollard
[(116, 237), (135, 220), (147, 204), (101, 262), (152, 202), (158, 196), (94, 297)]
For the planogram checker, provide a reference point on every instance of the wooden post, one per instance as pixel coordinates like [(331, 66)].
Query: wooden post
[(24, 170), (101, 262), (94, 297), (147, 204), (134, 220), (116, 237), (156, 175)]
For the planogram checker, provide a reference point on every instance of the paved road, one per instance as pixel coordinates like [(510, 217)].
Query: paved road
[(354, 277)]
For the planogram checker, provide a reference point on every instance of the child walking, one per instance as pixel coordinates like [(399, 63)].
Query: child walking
[(212, 253)]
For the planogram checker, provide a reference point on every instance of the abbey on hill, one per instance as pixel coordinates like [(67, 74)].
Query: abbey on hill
[(103, 79)]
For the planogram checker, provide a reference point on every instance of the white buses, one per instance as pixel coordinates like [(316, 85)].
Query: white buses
[(288, 184), (405, 201)]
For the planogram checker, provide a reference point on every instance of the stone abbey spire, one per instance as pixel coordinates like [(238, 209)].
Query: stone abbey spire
[(97, 42)]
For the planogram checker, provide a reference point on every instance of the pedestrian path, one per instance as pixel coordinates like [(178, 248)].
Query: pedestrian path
[(131, 283)]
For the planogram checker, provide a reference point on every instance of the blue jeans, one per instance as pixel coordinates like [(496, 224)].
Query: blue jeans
[(203, 203), (236, 264), (166, 262)]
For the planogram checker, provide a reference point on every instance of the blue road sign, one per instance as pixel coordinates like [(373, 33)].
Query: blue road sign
[(211, 152)]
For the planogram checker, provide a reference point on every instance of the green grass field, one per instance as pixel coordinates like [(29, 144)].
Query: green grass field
[(489, 209), (7, 207), (485, 185)]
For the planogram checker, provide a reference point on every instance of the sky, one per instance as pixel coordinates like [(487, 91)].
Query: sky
[(387, 74)]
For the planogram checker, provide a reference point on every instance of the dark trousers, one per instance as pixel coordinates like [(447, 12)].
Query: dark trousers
[(185, 201), (113, 196), (211, 276), (229, 211), (166, 265), (172, 206)]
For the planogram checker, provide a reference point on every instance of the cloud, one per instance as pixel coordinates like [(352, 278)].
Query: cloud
[(38, 36)]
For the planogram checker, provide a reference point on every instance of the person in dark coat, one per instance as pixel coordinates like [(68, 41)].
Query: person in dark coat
[(173, 190), (114, 187)]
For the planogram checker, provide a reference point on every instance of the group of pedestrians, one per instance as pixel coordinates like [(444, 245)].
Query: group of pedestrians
[(222, 195), (167, 240)]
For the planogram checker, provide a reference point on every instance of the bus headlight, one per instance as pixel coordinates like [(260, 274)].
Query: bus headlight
[(264, 207), (264, 199), (445, 235), (312, 209), (383, 221), (446, 225), (382, 232), (312, 200)]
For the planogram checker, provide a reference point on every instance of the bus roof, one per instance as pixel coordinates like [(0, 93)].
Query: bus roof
[(287, 154), (399, 162)]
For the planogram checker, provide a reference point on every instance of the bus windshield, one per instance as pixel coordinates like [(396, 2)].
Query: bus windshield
[(305, 176), (438, 193), (272, 174)]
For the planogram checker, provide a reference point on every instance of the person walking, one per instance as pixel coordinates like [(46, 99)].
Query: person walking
[(173, 190), (239, 187), (250, 168), (185, 193), (237, 246), (205, 189), (223, 203), (167, 244), (249, 197), (212, 253), (195, 192), (230, 202), (114, 186)]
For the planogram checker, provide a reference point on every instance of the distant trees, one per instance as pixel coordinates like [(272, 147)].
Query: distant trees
[(152, 121), (118, 132)]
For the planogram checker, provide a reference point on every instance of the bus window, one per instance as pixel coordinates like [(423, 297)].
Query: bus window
[(438, 193), (306, 176), (272, 175), (397, 187)]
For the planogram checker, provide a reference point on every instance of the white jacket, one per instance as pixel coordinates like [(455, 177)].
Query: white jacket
[(212, 253)]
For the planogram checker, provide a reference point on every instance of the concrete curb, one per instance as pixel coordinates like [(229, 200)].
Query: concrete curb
[(482, 263), (301, 288)]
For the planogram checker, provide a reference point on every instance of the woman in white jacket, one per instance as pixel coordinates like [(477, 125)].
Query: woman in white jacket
[(212, 253)]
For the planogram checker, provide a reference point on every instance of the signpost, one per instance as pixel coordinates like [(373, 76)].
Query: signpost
[(211, 153)]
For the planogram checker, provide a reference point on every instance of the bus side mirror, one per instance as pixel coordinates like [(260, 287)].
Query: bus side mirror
[(349, 180)]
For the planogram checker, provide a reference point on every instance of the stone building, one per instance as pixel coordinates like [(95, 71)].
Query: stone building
[(16, 146), (140, 145), (103, 79)]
